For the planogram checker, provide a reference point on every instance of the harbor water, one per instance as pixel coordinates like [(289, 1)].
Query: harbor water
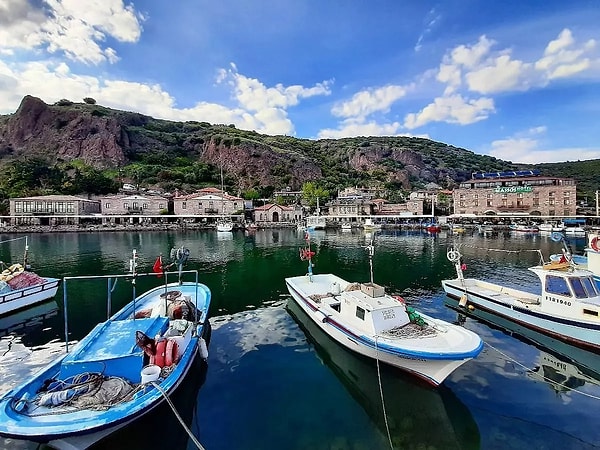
[(274, 381)]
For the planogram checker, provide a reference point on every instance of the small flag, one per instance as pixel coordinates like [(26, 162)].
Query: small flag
[(157, 267)]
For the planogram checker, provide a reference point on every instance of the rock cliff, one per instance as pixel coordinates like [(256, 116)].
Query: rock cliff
[(107, 139)]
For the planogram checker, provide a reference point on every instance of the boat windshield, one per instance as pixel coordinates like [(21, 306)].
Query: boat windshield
[(583, 287)]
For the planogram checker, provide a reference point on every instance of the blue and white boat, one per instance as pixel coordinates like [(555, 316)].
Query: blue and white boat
[(566, 306), (124, 368), (366, 320), (21, 288)]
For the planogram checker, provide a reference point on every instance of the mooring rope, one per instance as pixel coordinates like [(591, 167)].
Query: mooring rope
[(541, 376), (387, 427), (185, 427)]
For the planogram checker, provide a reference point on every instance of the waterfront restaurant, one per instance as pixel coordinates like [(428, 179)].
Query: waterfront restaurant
[(51, 210), (518, 193)]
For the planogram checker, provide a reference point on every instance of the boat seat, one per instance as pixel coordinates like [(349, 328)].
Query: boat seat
[(111, 348)]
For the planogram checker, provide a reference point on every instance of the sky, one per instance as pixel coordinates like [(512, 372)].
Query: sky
[(515, 79)]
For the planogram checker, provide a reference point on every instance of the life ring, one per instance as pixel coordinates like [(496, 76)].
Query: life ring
[(167, 352), (594, 244), (453, 255)]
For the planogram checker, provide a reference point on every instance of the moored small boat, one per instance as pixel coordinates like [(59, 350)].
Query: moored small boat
[(120, 371), (566, 306), (365, 319), (21, 288)]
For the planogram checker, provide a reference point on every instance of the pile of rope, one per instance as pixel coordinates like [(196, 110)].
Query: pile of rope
[(409, 331), (84, 391)]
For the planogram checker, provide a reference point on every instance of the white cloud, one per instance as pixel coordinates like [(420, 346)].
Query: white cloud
[(526, 148), (356, 127), (451, 109), (369, 101), (76, 28), (259, 108)]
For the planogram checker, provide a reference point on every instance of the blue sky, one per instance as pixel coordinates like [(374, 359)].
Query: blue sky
[(518, 80)]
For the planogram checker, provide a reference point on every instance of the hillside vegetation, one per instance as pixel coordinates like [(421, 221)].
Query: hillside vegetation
[(87, 148)]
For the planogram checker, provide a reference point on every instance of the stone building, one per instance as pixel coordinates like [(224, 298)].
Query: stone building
[(515, 193), (409, 208), (272, 213), (51, 210), (208, 202), (134, 204)]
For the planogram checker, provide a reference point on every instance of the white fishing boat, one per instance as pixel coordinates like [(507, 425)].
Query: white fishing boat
[(224, 224), (20, 287), (551, 227), (369, 225), (346, 226), (365, 319), (123, 369), (316, 222), (566, 306)]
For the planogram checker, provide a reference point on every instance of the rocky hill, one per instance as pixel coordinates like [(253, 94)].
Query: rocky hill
[(187, 155)]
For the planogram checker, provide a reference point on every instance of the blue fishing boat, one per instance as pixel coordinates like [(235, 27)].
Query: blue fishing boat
[(124, 368)]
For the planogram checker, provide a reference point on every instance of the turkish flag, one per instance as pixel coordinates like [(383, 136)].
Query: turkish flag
[(157, 267)]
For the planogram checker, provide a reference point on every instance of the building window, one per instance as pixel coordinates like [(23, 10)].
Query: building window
[(19, 207), (107, 205), (161, 206), (125, 205), (144, 205), (183, 205), (536, 202)]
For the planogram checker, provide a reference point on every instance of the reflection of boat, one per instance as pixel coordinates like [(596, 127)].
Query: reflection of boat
[(405, 400), (562, 376), (567, 306), (561, 354), (20, 288), (362, 317), (346, 226), (26, 318), (121, 370)]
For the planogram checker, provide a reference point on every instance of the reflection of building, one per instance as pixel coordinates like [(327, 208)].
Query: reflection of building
[(51, 209), (208, 201), (277, 213), (134, 204), (515, 193)]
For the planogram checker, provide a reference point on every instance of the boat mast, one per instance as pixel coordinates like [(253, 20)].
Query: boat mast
[(371, 251)]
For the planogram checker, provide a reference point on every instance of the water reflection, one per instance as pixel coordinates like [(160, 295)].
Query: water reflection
[(408, 406)]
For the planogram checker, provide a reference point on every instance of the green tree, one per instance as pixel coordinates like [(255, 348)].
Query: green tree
[(310, 193)]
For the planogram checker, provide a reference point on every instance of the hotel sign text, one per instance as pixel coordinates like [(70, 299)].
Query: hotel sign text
[(512, 189)]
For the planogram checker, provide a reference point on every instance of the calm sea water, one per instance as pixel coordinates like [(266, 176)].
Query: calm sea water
[(273, 381)]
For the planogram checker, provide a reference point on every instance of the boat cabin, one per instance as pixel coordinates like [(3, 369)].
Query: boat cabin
[(366, 307), (563, 289)]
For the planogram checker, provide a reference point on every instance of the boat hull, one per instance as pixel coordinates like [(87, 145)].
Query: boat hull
[(584, 335), (25, 297), (431, 366)]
